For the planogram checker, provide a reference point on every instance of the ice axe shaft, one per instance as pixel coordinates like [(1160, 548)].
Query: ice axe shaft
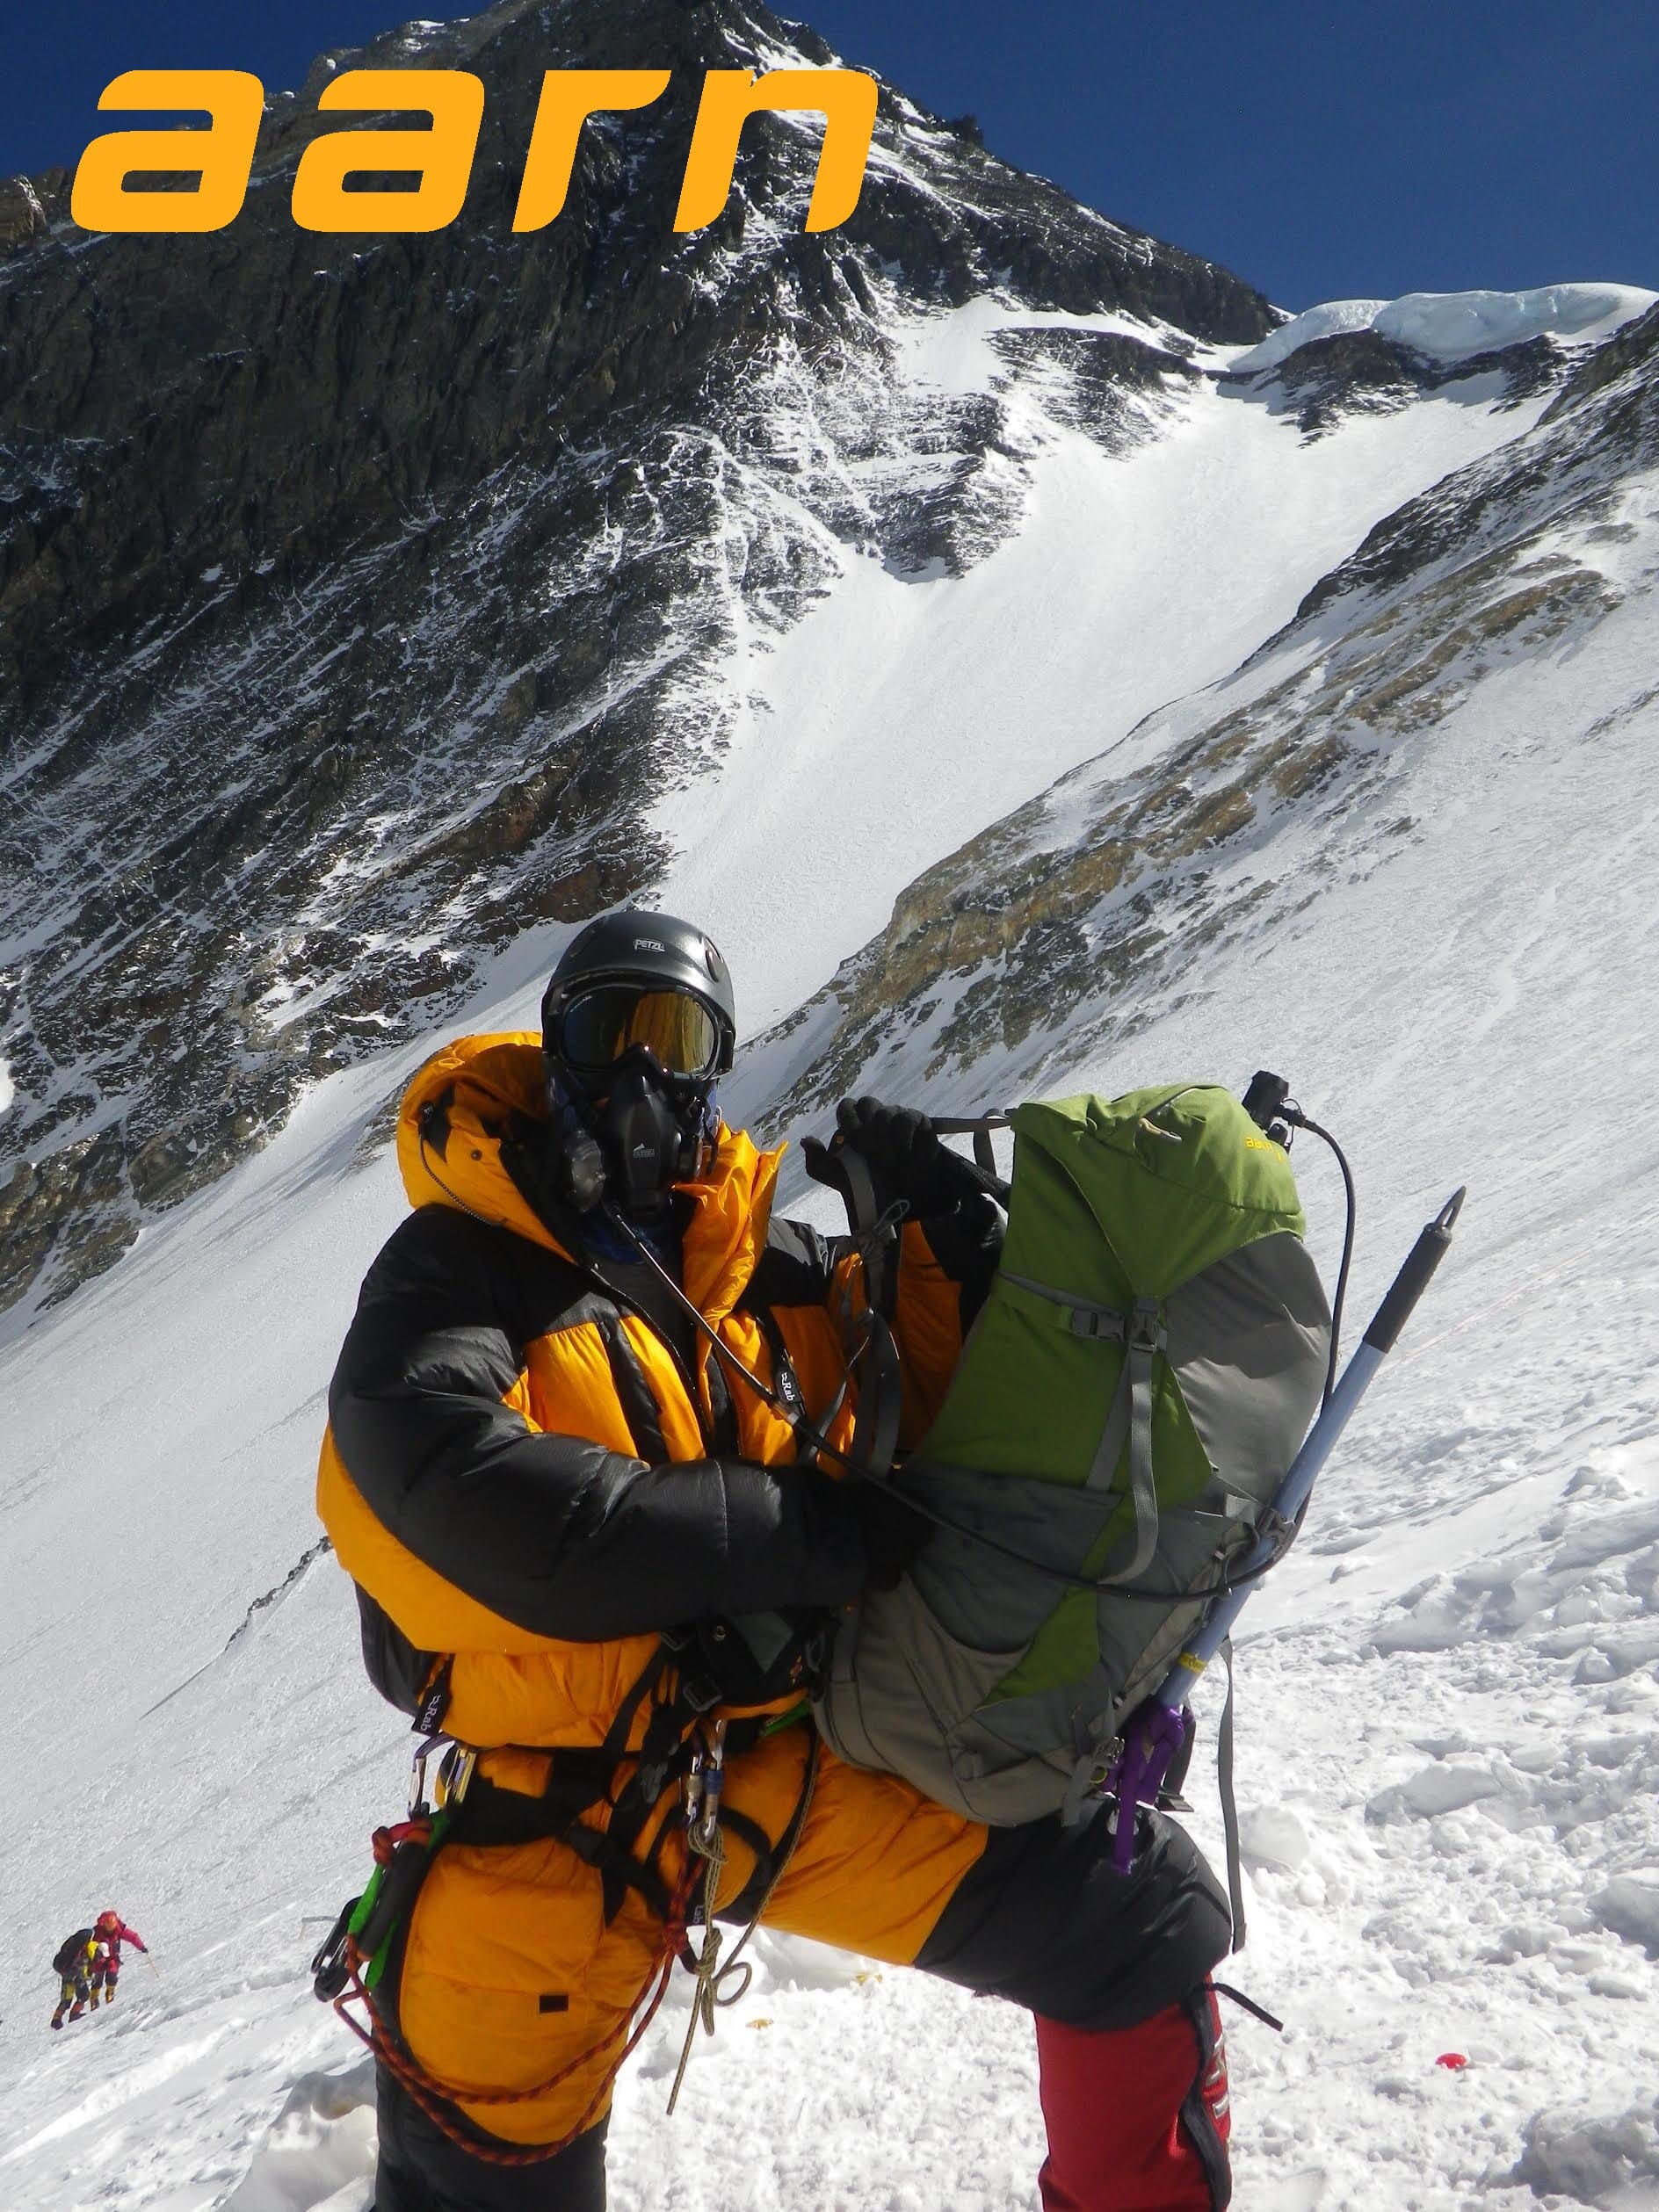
[(1157, 1729)]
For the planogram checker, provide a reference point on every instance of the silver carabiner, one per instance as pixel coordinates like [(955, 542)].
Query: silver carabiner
[(714, 1778), (694, 1785), (422, 1752), (454, 1775)]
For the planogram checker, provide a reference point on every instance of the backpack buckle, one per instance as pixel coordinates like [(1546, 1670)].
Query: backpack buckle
[(701, 1694), (1146, 1328), (1091, 1778), (1096, 1322)]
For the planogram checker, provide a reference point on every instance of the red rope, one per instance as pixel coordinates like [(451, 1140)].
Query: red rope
[(384, 1841), (434, 2097)]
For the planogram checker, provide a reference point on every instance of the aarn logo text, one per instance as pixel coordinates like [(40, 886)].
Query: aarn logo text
[(440, 156)]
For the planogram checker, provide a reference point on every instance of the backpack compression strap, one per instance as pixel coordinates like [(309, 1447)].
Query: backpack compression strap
[(1141, 1333)]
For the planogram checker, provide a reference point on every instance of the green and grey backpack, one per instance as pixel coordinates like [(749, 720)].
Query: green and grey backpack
[(1150, 1353)]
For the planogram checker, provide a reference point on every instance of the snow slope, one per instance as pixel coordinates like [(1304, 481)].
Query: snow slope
[(901, 714), (1448, 1702)]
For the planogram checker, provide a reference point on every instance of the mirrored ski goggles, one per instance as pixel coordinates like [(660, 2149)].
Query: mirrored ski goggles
[(678, 1030)]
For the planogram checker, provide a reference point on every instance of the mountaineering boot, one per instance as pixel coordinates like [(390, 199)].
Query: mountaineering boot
[(1138, 2118), (78, 2011), (92, 2000), (57, 2018)]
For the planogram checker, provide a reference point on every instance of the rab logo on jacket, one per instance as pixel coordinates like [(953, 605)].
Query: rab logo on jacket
[(440, 155)]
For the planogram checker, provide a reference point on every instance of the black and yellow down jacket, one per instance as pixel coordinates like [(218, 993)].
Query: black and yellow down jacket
[(522, 1476), (528, 1483)]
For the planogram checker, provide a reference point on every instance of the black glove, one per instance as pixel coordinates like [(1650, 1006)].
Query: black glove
[(903, 1149), (894, 1532)]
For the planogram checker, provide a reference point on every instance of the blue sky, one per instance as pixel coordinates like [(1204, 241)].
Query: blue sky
[(1321, 149)]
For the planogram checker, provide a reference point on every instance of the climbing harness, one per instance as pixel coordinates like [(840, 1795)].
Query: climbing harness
[(679, 1742), (358, 1971)]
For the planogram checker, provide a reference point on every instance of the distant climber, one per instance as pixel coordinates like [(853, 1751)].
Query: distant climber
[(111, 1932), (72, 1963), (87, 1965)]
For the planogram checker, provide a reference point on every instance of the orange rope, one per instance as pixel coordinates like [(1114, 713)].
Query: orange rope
[(432, 2095)]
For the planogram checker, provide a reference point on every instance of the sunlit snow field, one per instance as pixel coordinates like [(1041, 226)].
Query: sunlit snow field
[(1448, 1751)]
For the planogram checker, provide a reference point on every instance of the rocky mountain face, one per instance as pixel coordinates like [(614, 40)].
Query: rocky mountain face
[(360, 595), (1053, 938), (1330, 381), (363, 599)]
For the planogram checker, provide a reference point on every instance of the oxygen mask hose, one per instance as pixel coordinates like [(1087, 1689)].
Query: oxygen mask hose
[(1276, 1114)]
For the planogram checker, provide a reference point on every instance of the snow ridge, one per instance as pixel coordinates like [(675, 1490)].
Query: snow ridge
[(1450, 326)]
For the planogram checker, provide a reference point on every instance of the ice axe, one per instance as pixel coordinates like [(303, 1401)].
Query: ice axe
[(1159, 1726)]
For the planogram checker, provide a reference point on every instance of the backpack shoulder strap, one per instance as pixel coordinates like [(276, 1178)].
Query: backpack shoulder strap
[(980, 1128), (875, 1430)]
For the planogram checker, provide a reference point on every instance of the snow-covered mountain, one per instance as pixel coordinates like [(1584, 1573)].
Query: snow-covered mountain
[(360, 597), (373, 609), (1514, 595), (1047, 667)]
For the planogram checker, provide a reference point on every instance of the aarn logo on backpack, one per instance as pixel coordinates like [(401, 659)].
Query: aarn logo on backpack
[(440, 155)]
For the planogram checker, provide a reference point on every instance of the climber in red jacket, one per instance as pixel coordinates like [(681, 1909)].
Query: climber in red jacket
[(111, 1932)]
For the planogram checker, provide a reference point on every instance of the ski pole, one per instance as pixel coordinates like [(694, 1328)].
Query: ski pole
[(1159, 1727)]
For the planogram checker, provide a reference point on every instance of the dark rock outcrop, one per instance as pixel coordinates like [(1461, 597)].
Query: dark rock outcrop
[(1329, 379)]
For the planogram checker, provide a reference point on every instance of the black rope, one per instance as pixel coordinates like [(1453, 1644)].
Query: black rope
[(780, 1405)]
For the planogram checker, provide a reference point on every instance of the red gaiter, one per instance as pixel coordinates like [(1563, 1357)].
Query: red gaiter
[(1138, 2118)]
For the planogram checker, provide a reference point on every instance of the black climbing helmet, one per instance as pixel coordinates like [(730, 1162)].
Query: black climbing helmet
[(641, 979)]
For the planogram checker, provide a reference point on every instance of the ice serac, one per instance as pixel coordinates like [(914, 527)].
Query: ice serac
[(1479, 614), (1453, 326), (1351, 356), (360, 594)]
